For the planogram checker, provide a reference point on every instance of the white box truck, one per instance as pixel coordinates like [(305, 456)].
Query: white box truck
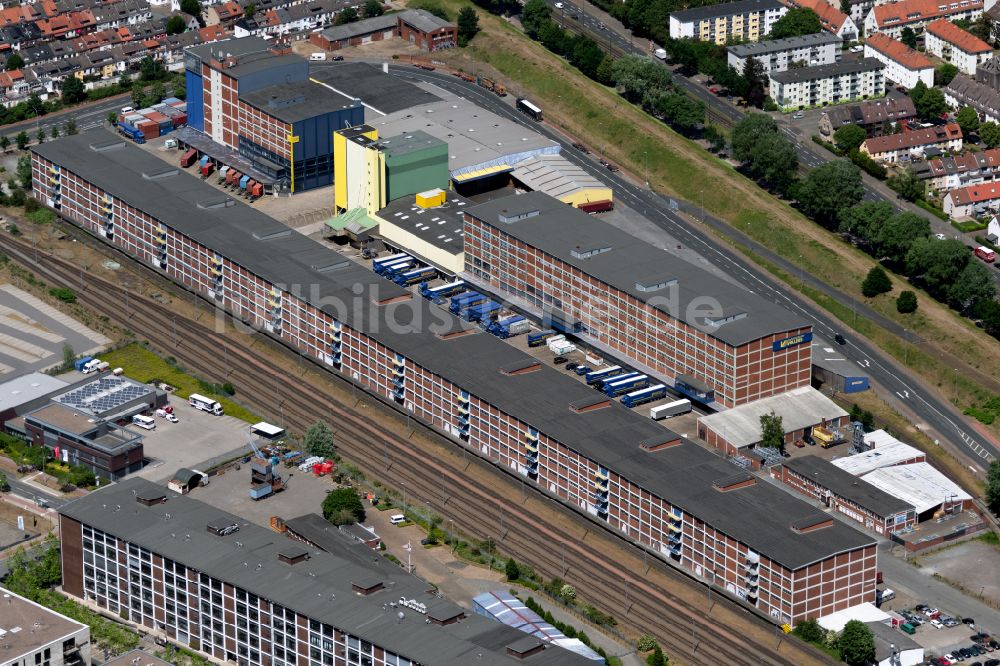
[(660, 54), (675, 408)]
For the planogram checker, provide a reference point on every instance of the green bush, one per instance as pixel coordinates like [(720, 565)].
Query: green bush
[(906, 302), (645, 643), (64, 294)]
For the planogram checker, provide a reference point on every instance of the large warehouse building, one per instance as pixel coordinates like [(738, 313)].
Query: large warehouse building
[(248, 96), (655, 487), (710, 339), (242, 594)]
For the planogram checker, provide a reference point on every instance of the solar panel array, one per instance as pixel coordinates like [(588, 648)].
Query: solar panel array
[(104, 395)]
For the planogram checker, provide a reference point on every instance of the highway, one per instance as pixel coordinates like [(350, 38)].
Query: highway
[(87, 117), (938, 419)]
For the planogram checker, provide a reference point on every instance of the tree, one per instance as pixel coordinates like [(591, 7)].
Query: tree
[(68, 356), (150, 69), (989, 133), (755, 81), (876, 282), (775, 163), (895, 237), (72, 90), (907, 185), (36, 105), (567, 593), (931, 105), (512, 571), (982, 28), (865, 219), (849, 137), (586, 56), (54, 133), (71, 127), (845, 7), (348, 15), (772, 431), (534, 16), (810, 631), (605, 72), (906, 302), (251, 9), (974, 283), (15, 61), (681, 112), (645, 643), (138, 94), (944, 74), (856, 643), (22, 140), (989, 313), (41, 135), (993, 487), (341, 504), (828, 189), (936, 263), (748, 132), (4, 143), (908, 37), (191, 7), (319, 440), (657, 658), (468, 25), (797, 21), (157, 92), (968, 119), (373, 8), (176, 25), (112, 117)]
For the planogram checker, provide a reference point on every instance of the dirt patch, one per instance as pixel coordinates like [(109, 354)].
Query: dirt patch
[(971, 566)]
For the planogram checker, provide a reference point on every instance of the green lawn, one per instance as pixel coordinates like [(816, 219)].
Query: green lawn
[(143, 365)]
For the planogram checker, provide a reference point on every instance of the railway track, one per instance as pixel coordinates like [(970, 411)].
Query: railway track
[(604, 566)]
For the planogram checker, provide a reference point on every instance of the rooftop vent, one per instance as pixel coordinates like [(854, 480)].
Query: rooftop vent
[(445, 613), (160, 174), (366, 586), (589, 404), (222, 527), (734, 481), (525, 647), (105, 146), (150, 497), (293, 554), (222, 202), (727, 315), (509, 217), (666, 441), (274, 235), (520, 367), (580, 252), (811, 523)]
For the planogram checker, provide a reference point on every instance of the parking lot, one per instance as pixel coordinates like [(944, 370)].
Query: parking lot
[(196, 437), (933, 633)]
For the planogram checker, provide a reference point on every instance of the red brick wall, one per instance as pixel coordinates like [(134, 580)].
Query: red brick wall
[(71, 540)]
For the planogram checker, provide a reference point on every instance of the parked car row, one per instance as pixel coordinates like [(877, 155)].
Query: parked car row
[(982, 644)]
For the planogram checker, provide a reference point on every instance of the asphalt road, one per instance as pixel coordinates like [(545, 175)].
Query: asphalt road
[(86, 118), (29, 492), (937, 418)]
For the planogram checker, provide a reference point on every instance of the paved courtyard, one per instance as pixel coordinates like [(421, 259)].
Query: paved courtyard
[(973, 565)]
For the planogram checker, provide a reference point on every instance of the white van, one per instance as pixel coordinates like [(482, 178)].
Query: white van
[(317, 57), (397, 519), (144, 422), (886, 595), (91, 366)]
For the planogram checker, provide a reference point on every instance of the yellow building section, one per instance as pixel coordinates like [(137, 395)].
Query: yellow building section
[(431, 198), (588, 195), (358, 170)]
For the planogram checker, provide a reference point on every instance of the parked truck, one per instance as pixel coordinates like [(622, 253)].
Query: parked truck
[(391, 268), (492, 86), (80, 363), (189, 158), (465, 300), (422, 274), (131, 132), (510, 326), (675, 408), (538, 338), (617, 387), (480, 311), (642, 396), (439, 293), (660, 54)]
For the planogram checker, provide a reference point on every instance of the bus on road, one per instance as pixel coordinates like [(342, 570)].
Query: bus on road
[(529, 109)]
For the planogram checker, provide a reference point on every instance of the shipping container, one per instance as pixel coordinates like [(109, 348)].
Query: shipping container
[(258, 190), (465, 300), (538, 338), (441, 291), (207, 169), (597, 206), (243, 182), (378, 261), (247, 193), (616, 388), (188, 158), (223, 172), (642, 396), (180, 120), (407, 278)]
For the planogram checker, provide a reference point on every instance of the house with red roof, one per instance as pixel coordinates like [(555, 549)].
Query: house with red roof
[(900, 147), (950, 172), (959, 47), (832, 19), (916, 14), (903, 65), (972, 201)]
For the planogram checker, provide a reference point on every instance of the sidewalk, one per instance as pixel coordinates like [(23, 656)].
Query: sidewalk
[(460, 581)]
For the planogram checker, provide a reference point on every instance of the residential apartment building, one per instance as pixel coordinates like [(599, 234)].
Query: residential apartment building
[(776, 55), (33, 635), (900, 147), (982, 92), (950, 172), (744, 20), (959, 47), (876, 117), (237, 592), (832, 19), (972, 201), (652, 486), (822, 481), (916, 14), (846, 81), (903, 65)]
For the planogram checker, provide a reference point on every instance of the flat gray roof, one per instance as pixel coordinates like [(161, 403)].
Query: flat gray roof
[(229, 47), (383, 93), (363, 27), (17, 391), (799, 408), (725, 9), (846, 485), (826, 356), (300, 100), (566, 232), (423, 20), (825, 71), (37, 626), (442, 227), (319, 587), (611, 436), (754, 49)]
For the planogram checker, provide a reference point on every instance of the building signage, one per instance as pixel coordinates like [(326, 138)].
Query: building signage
[(785, 343)]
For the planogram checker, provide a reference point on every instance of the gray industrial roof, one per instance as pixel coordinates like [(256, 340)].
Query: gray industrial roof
[(565, 233), (611, 436), (300, 100), (846, 485), (826, 356), (825, 71), (476, 137), (755, 49), (423, 20), (725, 9), (442, 227), (229, 47), (17, 391), (359, 28), (319, 587), (380, 92)]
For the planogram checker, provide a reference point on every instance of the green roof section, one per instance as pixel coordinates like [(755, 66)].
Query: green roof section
[(355, 220), (414, 162)]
